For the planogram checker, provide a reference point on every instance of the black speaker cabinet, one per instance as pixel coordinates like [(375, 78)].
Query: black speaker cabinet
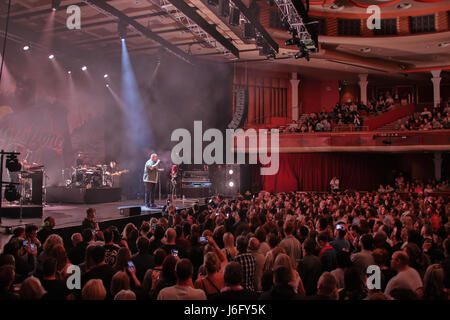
[(130, 211), (235, 16)]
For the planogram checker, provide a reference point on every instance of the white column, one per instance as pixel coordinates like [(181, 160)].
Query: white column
[(294, 84), (437, 159), (436, 86), (363, 88)]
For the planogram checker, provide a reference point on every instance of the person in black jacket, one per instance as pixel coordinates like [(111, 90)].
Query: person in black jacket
[(233, 289), (143, 260)]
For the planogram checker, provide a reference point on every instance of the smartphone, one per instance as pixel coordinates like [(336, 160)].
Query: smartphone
[(203, 240), (217, 214), (340, 227), (228, 215), (130, 266), (25, 243), (32, 247), (175, 253)]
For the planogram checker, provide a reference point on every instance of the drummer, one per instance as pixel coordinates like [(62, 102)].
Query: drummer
[(80, 161)]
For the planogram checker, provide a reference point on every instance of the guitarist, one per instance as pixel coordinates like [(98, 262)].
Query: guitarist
[(151, 175)]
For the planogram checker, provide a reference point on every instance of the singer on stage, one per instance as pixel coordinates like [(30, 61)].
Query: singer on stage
[(151, 175)]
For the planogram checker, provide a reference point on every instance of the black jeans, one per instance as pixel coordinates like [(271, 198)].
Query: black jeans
[(150, 192)]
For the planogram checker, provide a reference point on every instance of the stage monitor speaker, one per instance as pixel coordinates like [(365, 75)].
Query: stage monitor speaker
[(214, 3), (225, 8), (130, 211), (240, 112), (249, 31), (235, 16)]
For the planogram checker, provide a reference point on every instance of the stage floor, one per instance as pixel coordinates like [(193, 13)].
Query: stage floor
[(68, 215)]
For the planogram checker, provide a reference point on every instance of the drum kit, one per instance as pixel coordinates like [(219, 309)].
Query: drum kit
[(98, 176)]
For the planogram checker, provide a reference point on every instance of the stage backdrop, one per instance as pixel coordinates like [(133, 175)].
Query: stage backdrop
[(313, 171)]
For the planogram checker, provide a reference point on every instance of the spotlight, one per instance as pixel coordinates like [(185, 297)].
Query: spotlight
[(26, 48), (12, 164), (107, 85), (11, 193), (105, 76), (230, 171), (84, 68), (69, 72), (52, 56), (122, 30), (55, 4), (231, 184)]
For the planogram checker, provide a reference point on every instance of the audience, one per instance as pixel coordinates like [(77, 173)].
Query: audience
[(297, 245)]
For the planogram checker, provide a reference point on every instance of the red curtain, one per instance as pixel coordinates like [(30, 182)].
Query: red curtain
[(313, 171)]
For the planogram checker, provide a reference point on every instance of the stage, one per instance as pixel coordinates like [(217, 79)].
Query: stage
[(71, 215)]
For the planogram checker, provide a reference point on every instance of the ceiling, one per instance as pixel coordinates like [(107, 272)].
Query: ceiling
[(338, 57)]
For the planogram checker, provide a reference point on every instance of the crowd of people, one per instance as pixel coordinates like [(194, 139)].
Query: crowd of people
[(349, 113), (433, 118), (416, 186), (257, 246)]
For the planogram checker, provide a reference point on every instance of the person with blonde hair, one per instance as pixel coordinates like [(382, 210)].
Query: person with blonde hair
[(52, 241), (213, 282), (93, 290), (229, 249), (296, 282), (31, 289), (120, 281), (125, 295)]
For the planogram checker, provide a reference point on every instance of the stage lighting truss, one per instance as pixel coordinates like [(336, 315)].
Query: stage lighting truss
[(104, 12), (297, 28), (191, 26)]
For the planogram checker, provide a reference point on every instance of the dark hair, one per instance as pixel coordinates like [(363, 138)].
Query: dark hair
[(18, 231), (260, 234), (49, 267), (323, 236), (367, 241), (87, 235), (242, 244), (159, 232), (343, 259), (6, 276), (90, 211), (168, 268), (30, 228), (179, 230), (304, 231), (282, 275), (310, 246), (143, 245), (273, 240), (160, 255), (184, 269), (232, 274), (108, 235), (98, 254)]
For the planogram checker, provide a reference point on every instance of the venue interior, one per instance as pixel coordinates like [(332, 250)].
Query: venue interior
[(225, 149)]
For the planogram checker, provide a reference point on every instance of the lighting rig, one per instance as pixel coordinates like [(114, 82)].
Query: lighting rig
[(294, 16), (13, 165)]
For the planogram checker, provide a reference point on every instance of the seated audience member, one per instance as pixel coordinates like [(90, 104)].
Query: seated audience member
[(213, 282), (78, 250), (93, 290), (143, 260), (248, 263), (99, 269), (6, 281), (125, 295), (31, 289), (406, 278), (282, 289), (56, 288), (183, 290), (233, 289), (111, 249), (310, 267), (326, 288), (46, 229), (120, 281)]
